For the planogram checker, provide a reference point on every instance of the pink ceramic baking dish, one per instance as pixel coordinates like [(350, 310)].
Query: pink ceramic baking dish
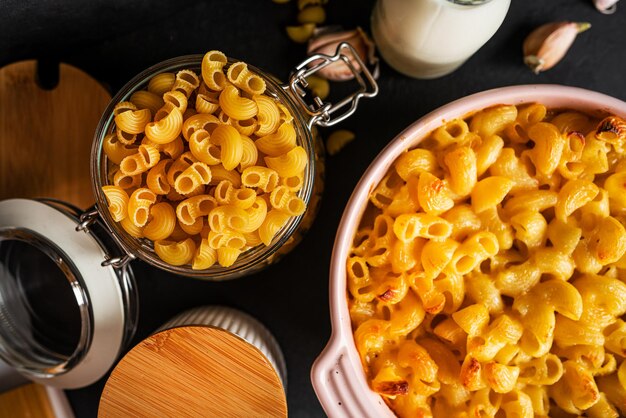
[(337, 375)]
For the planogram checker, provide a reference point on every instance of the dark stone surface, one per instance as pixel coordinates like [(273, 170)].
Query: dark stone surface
[(113, 40)]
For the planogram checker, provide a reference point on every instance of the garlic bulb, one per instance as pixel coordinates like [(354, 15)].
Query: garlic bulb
[(548, 44), (326, 40), (606, 6)]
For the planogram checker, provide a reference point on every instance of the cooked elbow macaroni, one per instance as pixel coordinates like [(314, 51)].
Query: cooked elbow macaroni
[(488, 275), (205, 166)]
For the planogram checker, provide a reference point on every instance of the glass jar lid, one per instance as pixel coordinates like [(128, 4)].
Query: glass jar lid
[(63, 316)]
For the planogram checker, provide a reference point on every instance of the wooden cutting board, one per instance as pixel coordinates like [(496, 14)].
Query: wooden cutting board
[(46, 135), (193, 372)]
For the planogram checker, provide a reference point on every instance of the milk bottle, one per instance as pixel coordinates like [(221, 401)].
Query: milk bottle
[(432, 38)]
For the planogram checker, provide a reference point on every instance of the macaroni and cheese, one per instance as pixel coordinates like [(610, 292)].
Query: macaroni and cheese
[(487, 276)]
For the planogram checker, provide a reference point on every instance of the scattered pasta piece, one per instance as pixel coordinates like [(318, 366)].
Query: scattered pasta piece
[(337, 140), (319, 86), (187, 164), (300, 34), (312, 14), (302, 4)]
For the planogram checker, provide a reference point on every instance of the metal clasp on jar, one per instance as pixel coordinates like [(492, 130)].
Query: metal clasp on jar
[(85, 220), (323, 113)]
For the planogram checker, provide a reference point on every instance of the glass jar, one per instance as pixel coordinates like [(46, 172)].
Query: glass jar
[(64, 319), (307, 112)]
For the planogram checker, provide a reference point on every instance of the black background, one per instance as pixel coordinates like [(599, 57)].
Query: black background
[(114, 40)]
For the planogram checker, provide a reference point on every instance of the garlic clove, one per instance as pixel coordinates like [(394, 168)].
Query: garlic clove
[(326, 40), (606, 6), (547, 45)]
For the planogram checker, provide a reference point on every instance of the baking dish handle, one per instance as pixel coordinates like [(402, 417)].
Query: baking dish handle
[(335, 379)]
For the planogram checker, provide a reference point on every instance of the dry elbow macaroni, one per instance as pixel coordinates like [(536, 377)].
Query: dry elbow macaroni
[(487, 277), (204, 166)]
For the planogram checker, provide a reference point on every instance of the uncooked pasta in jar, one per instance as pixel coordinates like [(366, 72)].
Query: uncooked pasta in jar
[(204, 166)]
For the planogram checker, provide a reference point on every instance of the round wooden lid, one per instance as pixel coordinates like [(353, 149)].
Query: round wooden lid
[(193, 371)]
